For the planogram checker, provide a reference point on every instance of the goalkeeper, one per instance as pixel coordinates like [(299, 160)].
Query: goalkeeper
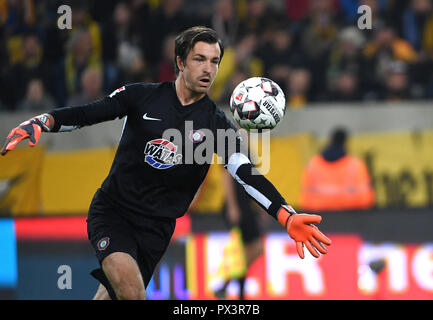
[(133, 214)]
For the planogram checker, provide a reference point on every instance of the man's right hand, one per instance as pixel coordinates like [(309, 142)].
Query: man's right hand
[(30, 129), (301, 228)]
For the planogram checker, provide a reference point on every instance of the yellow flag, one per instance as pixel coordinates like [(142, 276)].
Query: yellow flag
[(234, 264)]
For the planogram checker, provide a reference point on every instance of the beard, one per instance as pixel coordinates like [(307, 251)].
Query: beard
[(194, 85)]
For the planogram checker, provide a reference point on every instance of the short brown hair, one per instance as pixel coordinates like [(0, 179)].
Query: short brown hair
[(187, 39)]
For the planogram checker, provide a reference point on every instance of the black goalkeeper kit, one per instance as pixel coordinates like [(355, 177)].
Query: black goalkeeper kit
[(164, 154)]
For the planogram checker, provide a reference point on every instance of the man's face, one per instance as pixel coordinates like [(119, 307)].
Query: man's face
[(201, 66)]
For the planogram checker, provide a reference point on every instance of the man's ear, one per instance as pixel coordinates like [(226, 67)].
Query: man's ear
[(180, 64)]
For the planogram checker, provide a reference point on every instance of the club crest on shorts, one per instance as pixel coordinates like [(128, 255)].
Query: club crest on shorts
[(103, 243)]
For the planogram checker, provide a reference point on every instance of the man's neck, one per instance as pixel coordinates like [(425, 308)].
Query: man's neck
[(185, 95)]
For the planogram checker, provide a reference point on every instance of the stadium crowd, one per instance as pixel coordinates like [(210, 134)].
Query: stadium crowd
[(312, 48)]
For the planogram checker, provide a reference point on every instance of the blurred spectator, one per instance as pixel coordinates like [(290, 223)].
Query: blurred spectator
[(384, 48), (336, 180), (298, 88), (165, 70), (54, 39), (345, 88), (275, 56), (30, 66), (345, 64), (137, 71), (118, 32), (82, 20), (79, 57), (91, 88), (320, 30), (241, 57), (396, 83), (417, 28), (279, 55), (387, 44), (122, 54), (257, 16), (165, 20), (36, 99), (17, 17), (417, 25), (225, 22)]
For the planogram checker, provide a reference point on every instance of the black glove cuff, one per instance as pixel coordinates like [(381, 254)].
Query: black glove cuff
[(43, 121), (291, 212)]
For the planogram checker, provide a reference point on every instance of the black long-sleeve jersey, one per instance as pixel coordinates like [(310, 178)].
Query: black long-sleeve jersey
[(164, 150)]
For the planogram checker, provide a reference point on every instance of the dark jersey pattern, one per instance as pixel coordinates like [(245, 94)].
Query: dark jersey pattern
[(151, 174)]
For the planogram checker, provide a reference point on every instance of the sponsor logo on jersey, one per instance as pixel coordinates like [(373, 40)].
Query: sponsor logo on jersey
[(161, 154)]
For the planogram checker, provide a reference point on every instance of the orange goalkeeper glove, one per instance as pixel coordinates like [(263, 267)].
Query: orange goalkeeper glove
[(300, 229), (30, 129)]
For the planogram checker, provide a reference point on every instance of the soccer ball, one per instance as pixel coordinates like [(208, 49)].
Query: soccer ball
[(257, 103)]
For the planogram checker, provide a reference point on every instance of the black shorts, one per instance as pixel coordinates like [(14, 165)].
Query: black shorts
[(109, 232), (249, 220)]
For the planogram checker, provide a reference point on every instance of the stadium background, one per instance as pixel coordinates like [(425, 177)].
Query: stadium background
[(377, 83)]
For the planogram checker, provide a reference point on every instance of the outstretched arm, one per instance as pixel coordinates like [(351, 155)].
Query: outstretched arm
[(116, 105), (300, 227)]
